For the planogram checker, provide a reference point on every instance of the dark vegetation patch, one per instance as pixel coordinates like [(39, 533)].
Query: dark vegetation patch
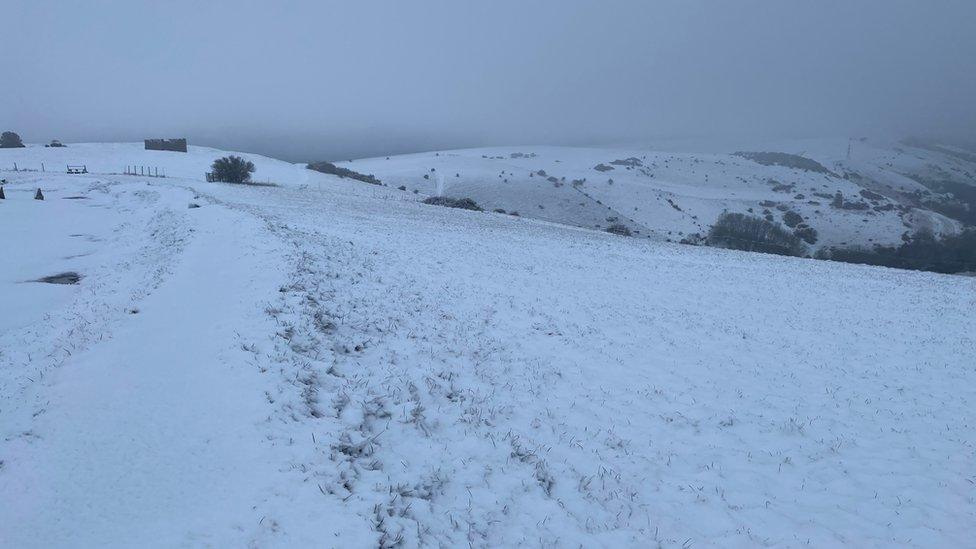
[(74, 198), (806, 233), (69, 277), (871, 195), (781, 187), (10, 140), (738, 231), (619, 229), (332, 169), (922, 252), (792, 219), (953, 209), (628, 162), (602, 168), (957, 200), (462, 203), (786, 160), (841, 203)]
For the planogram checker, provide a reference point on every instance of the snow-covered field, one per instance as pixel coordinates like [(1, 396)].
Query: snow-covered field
[(333, 364)]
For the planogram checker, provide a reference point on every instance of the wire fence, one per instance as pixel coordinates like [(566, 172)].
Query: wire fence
[(20, 168), (142, 171), (145, 171)]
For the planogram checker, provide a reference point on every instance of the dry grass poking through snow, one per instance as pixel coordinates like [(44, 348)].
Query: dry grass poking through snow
[(508, 384)]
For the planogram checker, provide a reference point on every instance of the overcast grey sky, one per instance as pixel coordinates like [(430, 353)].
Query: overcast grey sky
[(333, 80)]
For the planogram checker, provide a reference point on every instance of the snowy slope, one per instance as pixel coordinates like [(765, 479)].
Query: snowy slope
[(670, 196), (113, 158), (333, 364)]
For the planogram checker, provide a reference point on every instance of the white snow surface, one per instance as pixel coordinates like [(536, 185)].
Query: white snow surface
[(333, 364)]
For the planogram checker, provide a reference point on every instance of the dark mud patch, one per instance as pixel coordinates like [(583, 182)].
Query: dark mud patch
[(68, 278), (74, 198), (88, 237)]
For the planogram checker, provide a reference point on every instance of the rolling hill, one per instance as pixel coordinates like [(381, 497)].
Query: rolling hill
[(879, 193), (327, 362)]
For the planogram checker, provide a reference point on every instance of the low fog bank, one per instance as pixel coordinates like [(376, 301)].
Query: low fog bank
[(312, 81)]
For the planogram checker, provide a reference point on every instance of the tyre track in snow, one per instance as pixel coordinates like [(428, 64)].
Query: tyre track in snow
[(145, 243), (157, 435)]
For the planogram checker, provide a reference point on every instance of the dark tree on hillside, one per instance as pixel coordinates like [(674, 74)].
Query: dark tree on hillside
[(755, 234), (922, 252), (792, 219), (232, 169), (10, 140)]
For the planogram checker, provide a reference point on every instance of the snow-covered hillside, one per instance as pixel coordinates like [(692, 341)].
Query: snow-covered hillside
[(673, 196), (114, 158), (334, 364)]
